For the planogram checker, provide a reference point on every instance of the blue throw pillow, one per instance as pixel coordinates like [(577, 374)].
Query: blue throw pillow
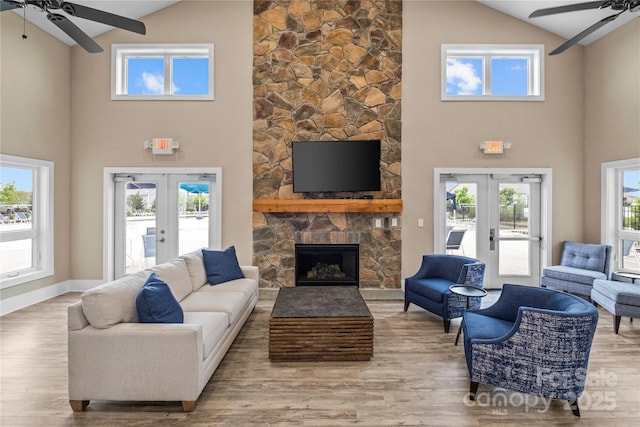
[(221, 266), (156, 304)]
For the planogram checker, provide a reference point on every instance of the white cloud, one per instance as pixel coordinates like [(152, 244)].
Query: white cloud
[(153, 83), (463, 76)]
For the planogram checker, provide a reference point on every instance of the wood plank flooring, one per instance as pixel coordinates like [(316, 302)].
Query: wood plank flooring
[(416, 377)]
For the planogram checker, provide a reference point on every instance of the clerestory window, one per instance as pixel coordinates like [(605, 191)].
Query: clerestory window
[(492, 72), (162, 72)]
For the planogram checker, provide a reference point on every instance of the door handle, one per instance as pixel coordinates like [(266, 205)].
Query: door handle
[(492, 239), (161, 239)]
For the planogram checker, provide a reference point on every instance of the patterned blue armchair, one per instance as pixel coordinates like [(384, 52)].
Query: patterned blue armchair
[(581, 264), (429, 287), (532, 340)]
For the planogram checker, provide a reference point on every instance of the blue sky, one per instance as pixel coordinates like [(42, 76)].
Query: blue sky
[(146, 76), (508, 76), (22, 178), (632, 179)]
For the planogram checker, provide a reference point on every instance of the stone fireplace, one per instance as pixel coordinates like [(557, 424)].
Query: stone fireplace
[(326, 70), (320, 264)]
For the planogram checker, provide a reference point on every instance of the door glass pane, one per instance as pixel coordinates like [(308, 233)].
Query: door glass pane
[(193, 215), (514, 223), (461, 218), (140, 230)]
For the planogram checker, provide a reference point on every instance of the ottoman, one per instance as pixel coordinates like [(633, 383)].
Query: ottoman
[(619, 298)]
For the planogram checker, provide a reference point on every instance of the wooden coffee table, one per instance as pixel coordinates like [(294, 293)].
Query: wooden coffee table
[(319, 323)]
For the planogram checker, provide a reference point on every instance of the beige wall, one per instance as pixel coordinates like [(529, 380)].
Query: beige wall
[(612, 119), (546, 134), (35, 120), (109, 133)]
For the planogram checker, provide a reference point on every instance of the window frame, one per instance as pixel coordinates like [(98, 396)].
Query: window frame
[(612, 230), (42, 229), (534, 53), (167, 51)]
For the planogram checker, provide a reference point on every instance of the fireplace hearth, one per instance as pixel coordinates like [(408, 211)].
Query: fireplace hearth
[(327, 264)]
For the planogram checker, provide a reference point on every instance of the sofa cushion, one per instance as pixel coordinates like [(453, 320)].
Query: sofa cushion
[(572, 274), (175, 274), (246, 286), (221, 266), (214, 325), (478, 326), (584, 256), (227, 302), (432, 288), (620, 292), (114, 302), (195, 267), (156, 304)]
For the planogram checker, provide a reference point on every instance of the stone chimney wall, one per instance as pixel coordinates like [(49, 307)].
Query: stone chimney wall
[(325, 70)]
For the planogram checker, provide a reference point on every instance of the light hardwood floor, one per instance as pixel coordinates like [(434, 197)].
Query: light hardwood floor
[(416, 377)]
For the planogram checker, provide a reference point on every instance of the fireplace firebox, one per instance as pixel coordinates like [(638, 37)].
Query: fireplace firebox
[(327, 264)]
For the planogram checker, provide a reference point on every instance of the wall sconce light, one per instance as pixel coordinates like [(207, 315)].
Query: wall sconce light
[(494, 147), (162, 145)]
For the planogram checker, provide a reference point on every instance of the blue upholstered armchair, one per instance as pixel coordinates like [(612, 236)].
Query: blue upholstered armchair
[(429, 287), (581, 264), (532, 340)]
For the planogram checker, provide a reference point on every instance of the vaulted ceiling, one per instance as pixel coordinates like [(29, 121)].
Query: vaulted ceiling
[(566, 25)]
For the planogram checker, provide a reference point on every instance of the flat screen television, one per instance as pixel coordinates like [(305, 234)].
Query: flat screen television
[(336, 166)]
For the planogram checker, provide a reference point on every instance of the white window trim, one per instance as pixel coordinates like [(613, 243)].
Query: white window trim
[(42, 231), (535, 53), (611, 201), (119, 73)]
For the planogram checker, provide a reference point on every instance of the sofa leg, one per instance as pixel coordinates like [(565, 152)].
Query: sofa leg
[(78, 405), (616, 323), (573, 404), (473, 389), (406, 305), (188, 405)]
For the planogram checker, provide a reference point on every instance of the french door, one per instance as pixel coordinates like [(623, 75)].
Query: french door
[(155, 215), (502, 218)]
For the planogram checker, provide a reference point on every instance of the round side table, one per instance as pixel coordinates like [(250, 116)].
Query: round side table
[(467, 292)]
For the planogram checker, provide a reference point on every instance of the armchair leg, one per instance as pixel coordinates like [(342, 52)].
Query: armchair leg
[(473, 389), (573, 404), (616, 323), (447, 323), (406, 304)]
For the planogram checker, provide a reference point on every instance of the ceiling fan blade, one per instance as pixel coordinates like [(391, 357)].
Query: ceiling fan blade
[(103, 17), (566, 45), (8, 5), (569, 8), (74, 32)]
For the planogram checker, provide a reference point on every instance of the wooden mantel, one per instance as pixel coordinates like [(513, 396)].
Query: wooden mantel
[(327, 205)]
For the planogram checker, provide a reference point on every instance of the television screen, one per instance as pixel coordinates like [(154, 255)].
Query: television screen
[(320, 166)]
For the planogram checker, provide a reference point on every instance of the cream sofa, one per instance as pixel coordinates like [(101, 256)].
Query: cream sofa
[(113, 357)]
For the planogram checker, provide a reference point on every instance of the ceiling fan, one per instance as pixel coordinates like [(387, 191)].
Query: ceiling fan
[(80, 11), (620, 6)]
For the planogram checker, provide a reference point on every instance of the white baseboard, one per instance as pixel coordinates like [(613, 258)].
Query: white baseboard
[(9, 305)]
